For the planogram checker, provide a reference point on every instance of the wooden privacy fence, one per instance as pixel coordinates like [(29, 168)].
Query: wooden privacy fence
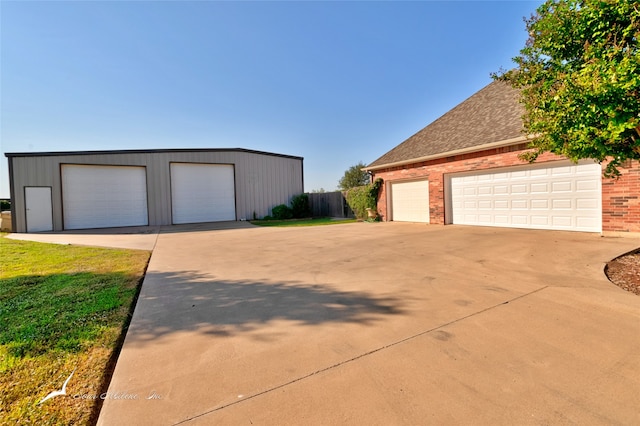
[(331, 204)]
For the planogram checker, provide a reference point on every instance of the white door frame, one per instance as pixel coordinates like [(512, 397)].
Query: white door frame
[(38, 208), (390, 207)]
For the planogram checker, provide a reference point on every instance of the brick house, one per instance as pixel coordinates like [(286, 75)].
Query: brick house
[(463, 168)]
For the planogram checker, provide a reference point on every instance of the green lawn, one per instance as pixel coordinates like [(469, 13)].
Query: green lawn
[(62, 310), (302, 222)]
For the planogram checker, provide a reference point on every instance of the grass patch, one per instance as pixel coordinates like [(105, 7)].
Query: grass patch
[(62, 309), (303, 222)]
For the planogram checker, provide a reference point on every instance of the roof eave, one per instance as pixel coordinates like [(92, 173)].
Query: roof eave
[(145, 151), (499, 144)]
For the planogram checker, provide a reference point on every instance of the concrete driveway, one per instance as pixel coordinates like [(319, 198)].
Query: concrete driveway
[(379, 324)]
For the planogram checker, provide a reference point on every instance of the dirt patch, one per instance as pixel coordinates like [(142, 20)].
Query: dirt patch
[(624, 271)]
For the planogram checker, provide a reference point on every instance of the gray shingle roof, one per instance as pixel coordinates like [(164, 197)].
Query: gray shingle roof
[(493, 114)]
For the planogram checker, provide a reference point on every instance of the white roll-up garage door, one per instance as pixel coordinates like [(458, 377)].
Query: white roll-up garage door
[(202, 193), (561, 197), (410, 201), (104, 196)]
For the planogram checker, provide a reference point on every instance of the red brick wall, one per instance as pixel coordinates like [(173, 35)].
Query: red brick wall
[(620, 203)]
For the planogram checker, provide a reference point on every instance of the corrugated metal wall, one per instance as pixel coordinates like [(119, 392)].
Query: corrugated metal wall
[(262, 180)]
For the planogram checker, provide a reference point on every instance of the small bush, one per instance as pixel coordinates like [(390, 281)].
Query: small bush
[(282, 212), (358, 200), (300, 206), (5, 205), (364, 197)]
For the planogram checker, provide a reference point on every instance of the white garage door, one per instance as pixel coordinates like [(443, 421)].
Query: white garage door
[(202, 193), (104, 196), (410, 201), (565, 197)]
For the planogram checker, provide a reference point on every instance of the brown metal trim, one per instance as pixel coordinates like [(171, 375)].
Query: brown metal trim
[(146, 151)]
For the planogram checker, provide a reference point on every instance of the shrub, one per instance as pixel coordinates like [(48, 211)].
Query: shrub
[(282, 212), (300, 206), (364, 197), (358, 201)]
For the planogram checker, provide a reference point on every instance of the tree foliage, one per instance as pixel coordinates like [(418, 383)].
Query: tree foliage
[(361, 198), (300, 206), (354, 176), (579, 77)]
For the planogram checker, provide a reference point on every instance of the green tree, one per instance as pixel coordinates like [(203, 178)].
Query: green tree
[(579, 77), (354, 176)]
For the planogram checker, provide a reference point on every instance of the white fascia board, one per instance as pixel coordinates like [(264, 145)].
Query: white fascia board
[(499, 144)]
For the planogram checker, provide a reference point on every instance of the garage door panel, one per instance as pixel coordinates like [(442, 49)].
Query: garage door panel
[(539, 204), (539, 172), (501, 204), (586, 222), (500, 176), (561, 204), (561, 221), (562, 170), (484, 218), (519, 220), (104, 196), (561, 186), (471, 217), (586, 204), (540, 220), (202, 193), (539, 188), (587, 185), (410, 201), (566, 197), (485, 190), (501, 219), (470, 205), (501, 189), (520, 204)]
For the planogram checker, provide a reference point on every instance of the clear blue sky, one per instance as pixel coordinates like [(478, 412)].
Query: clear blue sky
[(333, 82)]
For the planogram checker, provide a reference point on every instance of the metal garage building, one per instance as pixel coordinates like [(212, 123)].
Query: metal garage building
[(54, 191)]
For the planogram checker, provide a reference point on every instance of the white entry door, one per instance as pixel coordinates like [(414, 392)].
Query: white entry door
[(39, 210)]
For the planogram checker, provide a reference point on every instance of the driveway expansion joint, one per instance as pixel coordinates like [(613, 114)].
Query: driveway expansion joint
[(365, 354)]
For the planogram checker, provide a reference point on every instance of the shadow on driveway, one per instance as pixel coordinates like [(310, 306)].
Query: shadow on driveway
[(186, 300)]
